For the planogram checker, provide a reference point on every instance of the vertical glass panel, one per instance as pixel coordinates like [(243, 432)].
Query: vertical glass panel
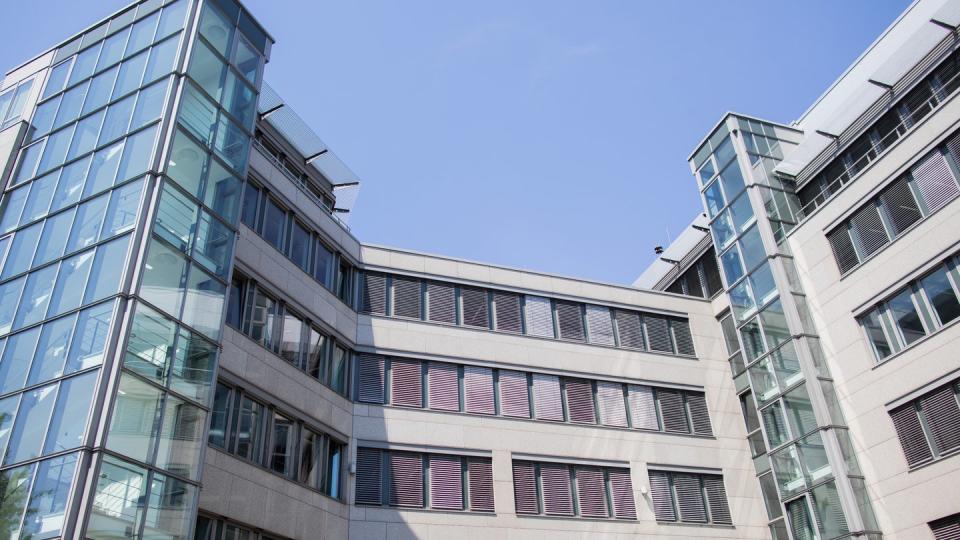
[(90, 337), (742, 213), (206, 68), (41, 192), (131, 73), (316, 354), (786, 466), (310, 444), (106, 276), (878, 339), (722, 229), (193, 363), (222, 192), (186, 164), (55, 151), (17, 356), (9, 300), (22, 250), (214, 244), (732, 269), (281, 455), (56, 229), (100, 90), (176, 218), (70, 184), (150, 104), (150, 343), (752, 340), (814, 457), (86, 134), (324, 262), (248, 428), (133, 428), (232, 144), (56, 80), (941, 295), (332, 474), (216, 29), (13, 205), (48, 500), (905, 316), (775, 424), (118, 501), (70, 105), (300, 245), (42, 121), (752, 248), (68, 292), (70, 415), (292, 337), (799, 411), (274, 223), (800, 519), (247, 60), (27, 436), (14, 488), (181, 436), (86, 224), (338, 369), (218, 418), (103, 169), (122, 211), (763, 284), (171, 19), (197, 114), (830, 519), (36, 296), (170, 507), (775, 327), (765, 384), (113, 48), (84, 64), (117, 120), (29, 157), (137, 154), (8, 411), (240, 100), (164, 278), (162, 58), (251, 201), (142, 33), (203, 308), (732, 179), (51, 353), (741, 300)]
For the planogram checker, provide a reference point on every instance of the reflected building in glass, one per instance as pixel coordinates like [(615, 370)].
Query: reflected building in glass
[(193, 344)]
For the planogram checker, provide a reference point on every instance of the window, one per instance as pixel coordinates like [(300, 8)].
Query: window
[(929, 426), (945, 528), (689, 497), (211, 528), (564, 490), (452, 483)]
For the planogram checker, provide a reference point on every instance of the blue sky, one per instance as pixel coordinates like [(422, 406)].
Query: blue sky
[(543, 134)]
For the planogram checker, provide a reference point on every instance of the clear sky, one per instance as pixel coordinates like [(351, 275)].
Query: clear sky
[(543, 134)]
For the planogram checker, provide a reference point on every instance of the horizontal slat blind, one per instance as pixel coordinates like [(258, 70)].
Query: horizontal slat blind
[(910, 432), (943, 416), (682, 336), (368, 476), (672, 410), (690, 498), (662, 497), (555, 481), (937, 184), (613, 410), (621, 491), (507, 312), (443, 386), (478, 390), (514, 394), (547, 402), (947, 528), (591, 492), (406, 383), (699, 416), (480, 484), (900, 206), (868, 228), (406, 297), (599, 325), (717, 499), (658, 333), (442, 303), (475, 309), (405, 471), (370, 375), (538, 316), (643, 409), (373, 294), (843, 250), (580, 401), (525, 488), (446, 482), (570, 320), (629, 330)]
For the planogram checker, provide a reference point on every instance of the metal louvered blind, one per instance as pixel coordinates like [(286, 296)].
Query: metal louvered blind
[(368, 476), (443, 386), (525, 488), (800, 520), (475, 311), (868, 228), (557, 497), (658, 332), (405, 470), (538, 316), (690, 498), (943, 416), (900, 206), (599, 325), (699, 416), (613, 410), (446, 482), (406, 383), (570, 321), (591, 492), (507, 312), (947, 528), (406, 297), (370, 375), (441, 303), (712, 271), (910, 432), (935, 181), (843, 250), (629, 329), (717, 499), (514, 394), (580, 401), (478, 390), (672, 410), (661, 496), (621, 493), (547, 404), (480, 484), (373, 294), (682, 336), (643, 409)]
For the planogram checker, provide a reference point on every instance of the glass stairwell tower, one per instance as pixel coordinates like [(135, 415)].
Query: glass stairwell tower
[(812, 486), (118, 222)]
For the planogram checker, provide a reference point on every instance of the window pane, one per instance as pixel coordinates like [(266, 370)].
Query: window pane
[(247, 60), (70, 105), (86, 134), (29, 157), (171, 19), (68, 292), (232, 144), (187, 163), (142, 33), (54, 237), (325, 264), (774, 324), (70, 415), (118, 501), (42, 121), (149, 105), (36, 296), (70, 184), (940, 293), (732, 179), (714, 198), (222, 192), (214, 244), (906, 317), (137, 154), (55, 151), (742, 213), (176, 218), (203, 308), (48, 361), (150, 343), (316, 354), (27, 435), (216, 29), (218, 419), (87, 223), (262, 319), (56, 80), (752, 248), (338, 369), (164, 278), (14, 487), (162, 58), (9, 300), (22, 250), (193, 363), (197, 114), (248, 428), (281, 457), (180, 437), (310, 445), (799, 411), (300, 246), (103, 169), (732, 268), (112, 49), (13, 205), (90, 337), (106, 276), (240, 100), (133, 427), (274, 222), (205, 68), (169, 513), (131, 73), (100, 90), (48, 500), (292, 336), (17, 356), (251, 200), (332, 475), (117, 120), (124, 204), (871, 323)]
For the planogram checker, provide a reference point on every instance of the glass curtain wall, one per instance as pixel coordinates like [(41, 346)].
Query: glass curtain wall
[(809, 478)]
